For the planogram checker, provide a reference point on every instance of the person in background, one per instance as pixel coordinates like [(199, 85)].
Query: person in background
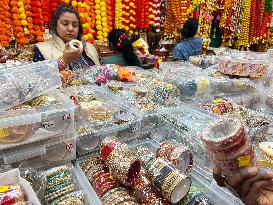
[(123, 50), (189, 45), (66, 26), (252, 185)]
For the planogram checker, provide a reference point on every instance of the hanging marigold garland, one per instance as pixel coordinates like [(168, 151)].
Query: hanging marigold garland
[(267, 15), (169, 21), (118, 14), (20, 23), (5, 24), (110, 14), (244, 33), (157, 14), (46, 12), (37, 18), (229, 20), (54, 4)]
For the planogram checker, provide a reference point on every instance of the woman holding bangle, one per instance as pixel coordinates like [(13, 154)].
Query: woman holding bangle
[(66, 26)]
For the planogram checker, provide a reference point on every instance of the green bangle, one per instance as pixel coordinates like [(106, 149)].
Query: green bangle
[(58, 187)]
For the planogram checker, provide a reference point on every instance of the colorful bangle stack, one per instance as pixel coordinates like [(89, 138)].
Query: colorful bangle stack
[(59, 183), (220, 106), (20, 132), (11, 194), (122, 164), (118, 196), (173, 184), (178, 155), (144, 192), (228, 145), (166, 94), (103, 182)]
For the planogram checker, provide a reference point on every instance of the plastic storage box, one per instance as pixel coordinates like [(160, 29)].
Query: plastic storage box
[(98, 116), (22, 83), (41, 154), (29, 124)]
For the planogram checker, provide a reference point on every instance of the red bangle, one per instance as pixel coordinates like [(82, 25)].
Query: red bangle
[(108, 148)]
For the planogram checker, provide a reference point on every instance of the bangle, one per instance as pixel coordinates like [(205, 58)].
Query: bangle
[(124, 165), (61, 64)]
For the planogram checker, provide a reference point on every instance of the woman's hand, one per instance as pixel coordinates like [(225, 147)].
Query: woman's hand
[(70, 55), (254, 186)]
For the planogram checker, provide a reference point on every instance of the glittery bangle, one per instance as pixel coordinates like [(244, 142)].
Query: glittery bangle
[(123, 166)]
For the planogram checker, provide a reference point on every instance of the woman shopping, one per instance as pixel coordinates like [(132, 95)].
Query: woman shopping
[(66, 44)]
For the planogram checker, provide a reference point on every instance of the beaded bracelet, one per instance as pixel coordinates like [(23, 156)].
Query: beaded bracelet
[(61, 64)]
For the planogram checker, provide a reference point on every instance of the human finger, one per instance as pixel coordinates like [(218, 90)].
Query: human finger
[(257, 193), (261, 175), (242, 175), (217, 175)]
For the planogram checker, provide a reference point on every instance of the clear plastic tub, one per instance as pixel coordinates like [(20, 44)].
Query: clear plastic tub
[(22, 83), (30, 124), (41, 154), (91, 127)]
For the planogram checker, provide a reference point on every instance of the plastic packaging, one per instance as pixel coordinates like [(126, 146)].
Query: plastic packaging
[(39, 120), (43, 153), (14, 188), (98, 115), (245, 65), (17, 88)]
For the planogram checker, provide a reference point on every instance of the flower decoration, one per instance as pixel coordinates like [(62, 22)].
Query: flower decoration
[(157, 14), (110, 14), (46, 12), (118, 14), (5, 24), (244, 32), (54, 4)]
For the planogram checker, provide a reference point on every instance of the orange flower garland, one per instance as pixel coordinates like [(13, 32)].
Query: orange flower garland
[(110, 13), (46, 12), (37, 20), (5, 24), (19, 22)]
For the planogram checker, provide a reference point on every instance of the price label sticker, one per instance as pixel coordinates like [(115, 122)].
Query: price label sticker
[(202, 85), (4, 189), (217, 100), (4, 132), (69, 147), (244, 161)]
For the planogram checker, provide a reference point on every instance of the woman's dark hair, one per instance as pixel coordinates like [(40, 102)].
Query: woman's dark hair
[(190, 28), (118, 39), (60, 10)]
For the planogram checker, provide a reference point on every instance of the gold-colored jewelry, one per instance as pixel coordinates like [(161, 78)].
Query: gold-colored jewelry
[(60, 192), (173, 186), (58, 181), (71, 201)]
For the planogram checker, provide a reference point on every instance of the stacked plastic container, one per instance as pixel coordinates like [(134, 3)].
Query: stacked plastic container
[(98, 116), (35, 130)]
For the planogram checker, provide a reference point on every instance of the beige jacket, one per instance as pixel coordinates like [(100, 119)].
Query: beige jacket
[(53, 49)]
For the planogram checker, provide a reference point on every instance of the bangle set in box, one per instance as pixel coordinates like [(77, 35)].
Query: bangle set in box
[(228, 145)]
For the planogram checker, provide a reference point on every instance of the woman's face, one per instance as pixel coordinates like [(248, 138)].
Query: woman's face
[(68, 27)]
